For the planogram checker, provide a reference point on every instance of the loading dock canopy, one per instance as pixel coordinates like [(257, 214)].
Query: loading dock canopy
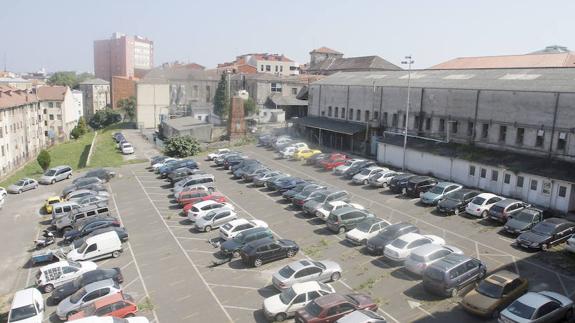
[(348, 128)]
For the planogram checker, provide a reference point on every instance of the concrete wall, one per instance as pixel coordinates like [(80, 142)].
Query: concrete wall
[(152, 101), (458, 170)]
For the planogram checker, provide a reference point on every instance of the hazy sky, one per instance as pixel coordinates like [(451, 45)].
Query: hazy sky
[(58, 34)]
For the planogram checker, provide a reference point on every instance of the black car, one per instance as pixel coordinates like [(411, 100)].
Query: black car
[(356, 168), (88, 226), (104, 174), (456, 202), (376, 245), (300, 198), (419, 184), (316, 159), (399, 182), (120, 231), (243, 163), (232, 161), (289, 194), (233, 246), (189, 163), (285, 184), (546, 234), (524, 220), (261, 251), (89, 277), (183, 172)]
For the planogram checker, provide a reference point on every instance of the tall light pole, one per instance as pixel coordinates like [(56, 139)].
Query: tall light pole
[(408, 61)]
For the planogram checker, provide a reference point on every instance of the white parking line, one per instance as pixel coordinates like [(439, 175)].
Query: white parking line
[(192, 238), (130, 283), (235, 286), (126, 265), (184, 252), (242, 308), (199, 251)]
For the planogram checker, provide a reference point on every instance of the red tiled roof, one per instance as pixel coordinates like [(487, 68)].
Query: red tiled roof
[(510, 61), (51, 93), (325, 50), (12, 97)]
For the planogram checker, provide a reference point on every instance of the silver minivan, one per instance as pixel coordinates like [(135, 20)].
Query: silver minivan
[(61, 209), (56, 174)]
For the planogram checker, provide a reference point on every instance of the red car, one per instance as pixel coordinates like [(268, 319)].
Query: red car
[(331, 307), (116, 305), (331, 164), (194, 196), (212, 196)]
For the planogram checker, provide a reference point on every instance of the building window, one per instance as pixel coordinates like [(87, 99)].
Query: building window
[(51, 117), (494, 175), (520, 135), (470, 126), (277, 69), (195, 91), (358, 115), (366, 116), (294, 90), (442, 125), (276, 87), (471, 170), (454, 126), (2, 150), (427, 123), (323, 113), (394, 120), (483, 173), (416, 122), (403, 124), (281, 68), (562, 141), (45, 111), (376, 115), (58, 104), (534, 185), (502, 133), (329, 111), (384, 121), (208, 95), (343, 113), (562, 189), (539, 139), (507, 178), (519, 181), (336, 112), (485, 130), (59, 117), (268, 68), (262, 68), (50, 104), (546, 188), (350, 117)]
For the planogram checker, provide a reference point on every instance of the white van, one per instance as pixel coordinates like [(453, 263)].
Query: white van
[(100, 246), (27, 306), (57, 274)]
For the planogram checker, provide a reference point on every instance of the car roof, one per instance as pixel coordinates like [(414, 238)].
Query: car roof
[(346, 209), (409, 237), (372, 220), (534, 299), (237, 222), (487, 195), (100, 284), (59, 167), (300, 288), (417, 179), (556, 221), (24, 297), (330, 299), (201, 204), (501, 277), (426, 249), (297, 265), (506, 202), (445, 184), (450, 261), (261, 242)]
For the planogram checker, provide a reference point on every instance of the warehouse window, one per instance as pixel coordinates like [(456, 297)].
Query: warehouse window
[(329, 111), (394, 120), (494, 175), (454, 126), (519, 181), (343, 113), (540, 137), (358, 115), (562, 141), (416, 122), (562, 189), (470, 126), (276, 87), (507, 179), (502, 133), (483, 173), (534, 185), (366, 116), (384, 121), (268, 68), (350, 114), (336, 112), (520, 136), (375, 115), (441, 125), (471, 170), (485, 130), (428, 124)]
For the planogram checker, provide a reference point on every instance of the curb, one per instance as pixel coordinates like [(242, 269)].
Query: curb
[(91, 149)]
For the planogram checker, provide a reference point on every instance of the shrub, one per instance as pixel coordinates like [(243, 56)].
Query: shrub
[(104, 118), (44, 159), (181, 146)]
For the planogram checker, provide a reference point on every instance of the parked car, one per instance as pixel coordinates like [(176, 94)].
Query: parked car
[(22, 185), (181, 173), (194, 180), (301, 271), (316, 159), (56, 274), (329, 308), (456, 202), (420, 258), (27, 307), (283, 305), (289, 194), (481, 204), (89, 226), (398, 183), (543, 306), (56, 174), (570, 246), (524, 220), (452, 273), (362, 316), (85, 296), (249, 177), (347, 164), (232, 247), (503, 210), (120, 232), (418, 185), (306, 195), (101, 173), (202, 208), (231, 160), (438, 192), (548, 233), (312, 205), (235, 227), (78, 216), (381, 179), (284, 184), (118, 305), (260, 180), (214, 219), (93, 200), (101, 246), (196, 196), (218, 153), (400, 248), (50, 202), (289, 151), (376, 245), (258, 252), (127, 148), (86, 278), (366, 230), (357, 168), (326, 208), (329, 164), (494, 293), (80, 183), (243, 164), (80, 194), (304, 154), (3, 192), (363, 176), (167, 161), (247, 169), (345, 219)]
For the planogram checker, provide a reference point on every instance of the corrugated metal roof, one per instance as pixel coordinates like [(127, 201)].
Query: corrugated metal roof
[(541, 79), (511, 61)]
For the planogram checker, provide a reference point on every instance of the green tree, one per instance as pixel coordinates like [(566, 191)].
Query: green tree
[(250, 107), (76, 133), (104, 118), (221, 99), (181, 147), (44, 159), (82, 125), (129, 107), (68, 78)]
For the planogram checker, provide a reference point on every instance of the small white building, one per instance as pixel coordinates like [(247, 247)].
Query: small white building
[(60, 113), (78, 99)]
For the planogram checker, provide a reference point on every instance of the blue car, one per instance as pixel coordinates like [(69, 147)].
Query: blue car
[(188, 163)]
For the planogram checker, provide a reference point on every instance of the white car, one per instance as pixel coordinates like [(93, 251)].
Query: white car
[(570, 245), (204, 207), (324, 211), (363, 176), (365, 230), (281, 306), (400, 248), (3, 192), (288, 152), (481, 204), (339, 170), (215, 219), (421, 257), (85, 296), (127, 148), (218, 153), (61, 272), (27, 307), (233, 228), (166, 161), (381, 179), (110, 319)]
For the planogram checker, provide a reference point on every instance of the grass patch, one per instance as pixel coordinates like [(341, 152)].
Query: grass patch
[(105, 153), (73, 153), (146, 305)]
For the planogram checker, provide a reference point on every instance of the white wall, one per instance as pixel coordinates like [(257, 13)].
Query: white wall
[(152, 101), (458, 170)]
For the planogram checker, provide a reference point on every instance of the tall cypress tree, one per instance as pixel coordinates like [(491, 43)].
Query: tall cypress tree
[(221, 99)]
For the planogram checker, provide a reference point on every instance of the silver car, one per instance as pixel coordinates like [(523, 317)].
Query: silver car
[(304, 271), (85, 296), (214, 219), (421, 257), (363, 176), (56, 174), (93, 200), (25, 184), (538, 307), (80, 194), (362, 316), (261, 179)]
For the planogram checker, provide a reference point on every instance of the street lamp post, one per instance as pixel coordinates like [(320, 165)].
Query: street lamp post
[(408, 61)]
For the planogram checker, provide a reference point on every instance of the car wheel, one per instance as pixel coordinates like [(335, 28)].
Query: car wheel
[(456, 212), (365, 182), (235, 254), (364, 242), (69, 176), (545, 247), (290, 253), (70, 314), (48, 288), (208, 228), (482, 274), (335, 276), (258, 262), (116, 254), (484, 214), (53, 181), (280, 317), (341, 230), (20, 191)]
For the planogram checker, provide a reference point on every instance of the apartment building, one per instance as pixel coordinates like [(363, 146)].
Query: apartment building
[(60, 111), (96, 96)]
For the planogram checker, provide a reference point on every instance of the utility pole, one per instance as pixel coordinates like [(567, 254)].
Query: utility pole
[(408, 61)]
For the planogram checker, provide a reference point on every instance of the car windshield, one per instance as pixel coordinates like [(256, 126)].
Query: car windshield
[(286, 271), (364, 226), (22, 313), (437, 190), (524, 217), (318, 264), (398, 243), (489, 289), (210, 215), (239, 237), (544, 228), (456, 196), (313, 309), (348, 163), (53, 201), (478, 200), (20, 182), (83, 247), (521, 310), (77, 296), (365, 172), (50, 172), (287, 295), (377, 175)]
